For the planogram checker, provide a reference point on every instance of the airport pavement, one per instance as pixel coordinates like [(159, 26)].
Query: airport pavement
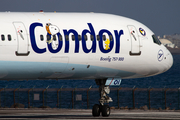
[(51, 114)]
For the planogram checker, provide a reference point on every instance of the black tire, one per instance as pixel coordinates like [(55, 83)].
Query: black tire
[(96, 110), (105, 111)]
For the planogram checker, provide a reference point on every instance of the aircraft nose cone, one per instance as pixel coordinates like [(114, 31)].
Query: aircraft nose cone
[(166, 60), (170, 60)]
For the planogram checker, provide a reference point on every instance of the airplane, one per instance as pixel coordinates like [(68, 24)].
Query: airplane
[(102, 47)]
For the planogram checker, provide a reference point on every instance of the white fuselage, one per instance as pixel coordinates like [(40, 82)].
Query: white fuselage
[(113, 46)]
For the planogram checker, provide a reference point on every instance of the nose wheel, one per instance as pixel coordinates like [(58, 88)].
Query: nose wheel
[(98, 109), (101, 108)]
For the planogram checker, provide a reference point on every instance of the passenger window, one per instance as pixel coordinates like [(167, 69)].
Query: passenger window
[(60, 37), (98, 38), (41, 37), (67, 37), (54, 37), (73, 37), (79, 37), (156, 40), (9, 37), (104, 37), (110, 37), (2, 37), (85, 37), (92, 38), (48, 37)]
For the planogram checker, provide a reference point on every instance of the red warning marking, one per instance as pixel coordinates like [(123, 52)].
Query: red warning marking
[(111, 81)]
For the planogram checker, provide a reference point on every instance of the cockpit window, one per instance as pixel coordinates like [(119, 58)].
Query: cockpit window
[(156, 40)]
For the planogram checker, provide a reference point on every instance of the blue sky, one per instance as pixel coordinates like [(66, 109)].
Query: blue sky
[(161, 16)]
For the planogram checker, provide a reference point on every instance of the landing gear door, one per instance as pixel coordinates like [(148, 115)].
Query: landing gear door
[(135, 43), (22, 39)]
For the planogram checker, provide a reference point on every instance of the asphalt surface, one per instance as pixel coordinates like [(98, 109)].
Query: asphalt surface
[(77, 114)]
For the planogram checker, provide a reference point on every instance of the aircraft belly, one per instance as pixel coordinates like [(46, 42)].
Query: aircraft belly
[(40, 70)]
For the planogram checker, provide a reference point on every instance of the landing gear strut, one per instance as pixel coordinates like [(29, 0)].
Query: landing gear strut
[(101, 108)]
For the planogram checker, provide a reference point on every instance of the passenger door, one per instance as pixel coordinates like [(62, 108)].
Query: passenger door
[(135, 43), (22, 38)]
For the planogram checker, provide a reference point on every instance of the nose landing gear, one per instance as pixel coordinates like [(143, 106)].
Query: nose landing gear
[(101, 108)]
